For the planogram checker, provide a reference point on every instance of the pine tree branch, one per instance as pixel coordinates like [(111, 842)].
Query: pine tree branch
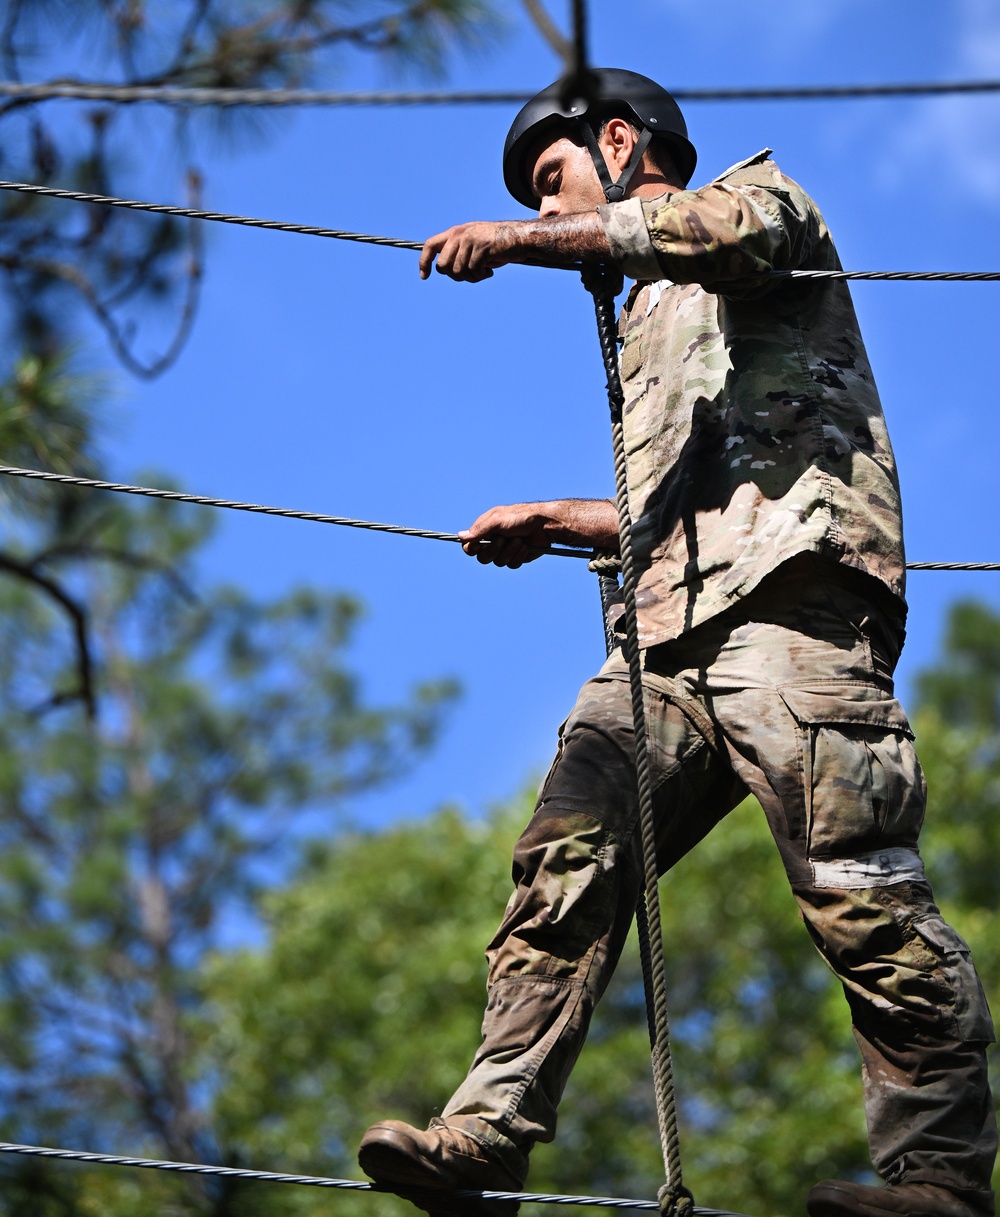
[(78, 618), (548, 28)]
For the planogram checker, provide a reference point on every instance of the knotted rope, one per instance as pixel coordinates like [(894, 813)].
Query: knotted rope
[(675, 1199)]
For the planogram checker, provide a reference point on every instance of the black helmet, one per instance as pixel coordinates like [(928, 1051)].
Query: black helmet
[(616, 92)]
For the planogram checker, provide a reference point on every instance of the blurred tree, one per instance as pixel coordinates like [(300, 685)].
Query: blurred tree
[(366, 1000), (54, 255), (123, 267), (229, 732), (46, 419)]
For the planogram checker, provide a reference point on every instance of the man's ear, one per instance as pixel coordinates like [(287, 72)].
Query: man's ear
[(617, 142)]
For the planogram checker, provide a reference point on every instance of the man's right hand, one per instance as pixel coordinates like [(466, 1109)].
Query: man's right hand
[(512, 535)]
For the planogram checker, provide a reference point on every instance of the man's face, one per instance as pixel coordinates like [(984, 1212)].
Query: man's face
[(564, 178)]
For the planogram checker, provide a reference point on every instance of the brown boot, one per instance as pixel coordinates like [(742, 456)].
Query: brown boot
[(835, 1198), (416, 1165)]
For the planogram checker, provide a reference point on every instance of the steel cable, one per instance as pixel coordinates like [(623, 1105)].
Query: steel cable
[(179, 496), (351, 1185), (604, 565), (600, 563), (339, 234), (194, 96), (195, 213), (953, 566), (675, 1200), (891, 276)]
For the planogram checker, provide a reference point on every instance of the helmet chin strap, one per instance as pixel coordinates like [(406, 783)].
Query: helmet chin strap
[(614, 192)]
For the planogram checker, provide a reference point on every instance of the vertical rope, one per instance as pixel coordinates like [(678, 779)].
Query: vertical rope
[(675, 1200), (578, 82), (578, 52), (609, 590)]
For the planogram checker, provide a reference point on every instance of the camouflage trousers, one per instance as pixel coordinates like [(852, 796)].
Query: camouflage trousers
[(788, 696)]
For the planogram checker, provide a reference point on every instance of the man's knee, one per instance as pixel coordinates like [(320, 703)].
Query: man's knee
[(573, 881), (593, 774), (898, 957)]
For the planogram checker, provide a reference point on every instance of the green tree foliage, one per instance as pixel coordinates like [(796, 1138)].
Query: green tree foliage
[(366, 1001), (60, 261), (229, 732), (124, 268)]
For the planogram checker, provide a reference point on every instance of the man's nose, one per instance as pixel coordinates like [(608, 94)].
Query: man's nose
[(550, 207)]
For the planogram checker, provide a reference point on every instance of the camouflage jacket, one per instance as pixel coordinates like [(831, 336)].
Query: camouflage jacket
[(753, 427)]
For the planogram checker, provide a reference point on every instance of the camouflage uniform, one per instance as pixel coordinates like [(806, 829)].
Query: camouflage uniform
[(769, 545)]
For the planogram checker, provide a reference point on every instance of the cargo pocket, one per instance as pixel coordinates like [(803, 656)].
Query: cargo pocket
[(952, 961), (862, 783)]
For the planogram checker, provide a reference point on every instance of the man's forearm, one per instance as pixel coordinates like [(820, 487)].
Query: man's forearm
[(578, 237), (592, 522)]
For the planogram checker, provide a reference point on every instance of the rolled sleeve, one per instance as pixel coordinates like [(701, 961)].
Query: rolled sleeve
[(629, 240)]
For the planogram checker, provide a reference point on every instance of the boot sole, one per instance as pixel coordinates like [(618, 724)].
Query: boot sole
[(393, 1169), (837, 1202), (832, 1201)]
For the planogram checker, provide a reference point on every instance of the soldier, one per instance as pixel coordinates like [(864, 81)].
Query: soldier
[(768, 543)]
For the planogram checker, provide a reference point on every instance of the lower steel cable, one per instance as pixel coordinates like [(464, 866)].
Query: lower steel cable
[(600, 563), (348, 1185), (179, 496)]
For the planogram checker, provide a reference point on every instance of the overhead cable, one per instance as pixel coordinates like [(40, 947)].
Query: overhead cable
[(192, 96), (351, 1185), (600, 563), (339, 234)]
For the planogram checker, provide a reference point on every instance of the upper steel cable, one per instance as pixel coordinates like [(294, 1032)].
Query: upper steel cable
[(189, 96), (340, 234), (222, 217)]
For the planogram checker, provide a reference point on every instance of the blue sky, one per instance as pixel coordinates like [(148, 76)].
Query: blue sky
[(327, 377)]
